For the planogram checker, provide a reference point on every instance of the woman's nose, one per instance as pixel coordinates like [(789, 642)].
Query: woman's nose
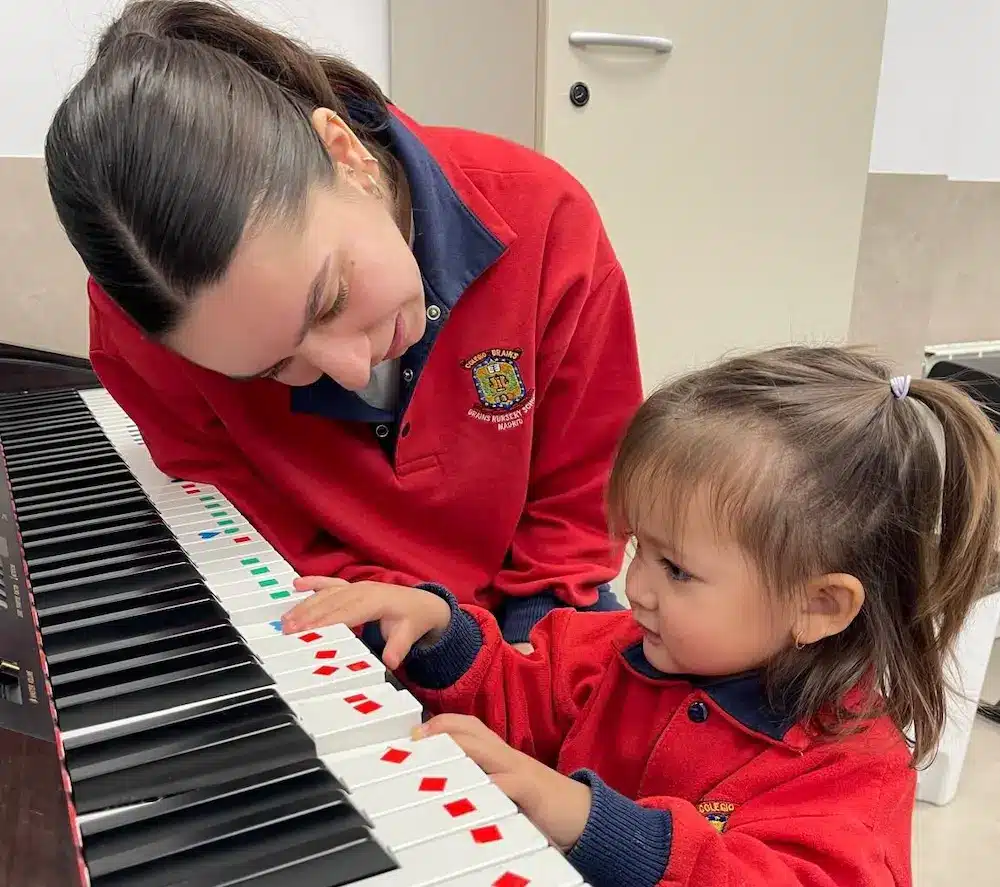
[(346, 361)]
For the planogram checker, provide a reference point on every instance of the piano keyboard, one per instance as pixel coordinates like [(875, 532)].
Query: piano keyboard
[(199, 745)]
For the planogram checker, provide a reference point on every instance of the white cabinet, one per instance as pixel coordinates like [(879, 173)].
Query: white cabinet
[(730, 170)]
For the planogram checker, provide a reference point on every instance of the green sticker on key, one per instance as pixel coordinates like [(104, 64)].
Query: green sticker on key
[(249, 561), (278, 595), (226, 523), (259, 571), (219, 513), (268, 583)]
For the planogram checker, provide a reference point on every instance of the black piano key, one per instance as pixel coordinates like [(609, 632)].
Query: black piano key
[(52, 603), (67, 479), (125, 817), (226, 815), (41, 584), (320, 866), (144, 730), (240, 757), (196, 687), (180, 737), (55, 606), (102, 559), (56, 526), (253, 857), (115, 664)]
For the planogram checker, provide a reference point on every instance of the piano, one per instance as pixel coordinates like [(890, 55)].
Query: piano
[(156, 727)]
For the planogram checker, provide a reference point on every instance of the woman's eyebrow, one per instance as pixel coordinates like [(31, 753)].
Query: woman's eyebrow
[(314, 304)]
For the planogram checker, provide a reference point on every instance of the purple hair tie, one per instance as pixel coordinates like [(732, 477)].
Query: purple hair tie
[(900, 386)]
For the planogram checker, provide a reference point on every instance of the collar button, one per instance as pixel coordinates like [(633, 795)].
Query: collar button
[(433, 313), (698, 712)]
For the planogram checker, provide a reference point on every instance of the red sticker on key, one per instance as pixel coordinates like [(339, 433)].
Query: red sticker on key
[(326, 670), (488, 834), (432, 784), (509, 879), (241, 539), (326, 654), (309, 637), (396, 755), (357, 697), (461, 807), (366, 708), (358, 666)]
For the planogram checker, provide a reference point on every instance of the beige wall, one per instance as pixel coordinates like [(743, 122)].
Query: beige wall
[(928, 268), (42, 297)]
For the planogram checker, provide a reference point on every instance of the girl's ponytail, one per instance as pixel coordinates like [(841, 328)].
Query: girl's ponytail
[(960, 566)]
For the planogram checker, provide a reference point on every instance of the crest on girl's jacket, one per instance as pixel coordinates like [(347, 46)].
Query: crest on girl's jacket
[(504, 399), (498, 378), (717, 813)]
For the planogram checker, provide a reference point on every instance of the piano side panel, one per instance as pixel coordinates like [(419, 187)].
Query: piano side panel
[(36, 848), (31, 369)]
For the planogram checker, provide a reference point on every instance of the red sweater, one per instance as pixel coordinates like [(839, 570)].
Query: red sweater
[(695, 781), (494, 491)]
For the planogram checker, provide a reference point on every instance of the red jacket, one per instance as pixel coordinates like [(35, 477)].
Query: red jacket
[(695, 781), (499, 499)]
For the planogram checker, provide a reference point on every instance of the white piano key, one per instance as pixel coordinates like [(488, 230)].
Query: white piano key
[(296, 655), (172, 513), (547, 868), (206, 557), (461, 853), (267, 639), (391, 759), (231, 574), (248, 566), (419, 787), (320, 678), (417, 825), (359, 717), (272, 589), (242, 611), (201, 517)]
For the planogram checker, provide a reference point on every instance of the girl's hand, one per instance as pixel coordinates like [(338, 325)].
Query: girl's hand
[(406, 616), (557, 805)]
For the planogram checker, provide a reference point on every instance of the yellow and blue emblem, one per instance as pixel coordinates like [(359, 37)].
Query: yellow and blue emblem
[(498, 378), (717, 813)]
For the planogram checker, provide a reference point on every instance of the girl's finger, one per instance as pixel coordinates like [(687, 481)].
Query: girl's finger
[(318, 583), (398, 643)]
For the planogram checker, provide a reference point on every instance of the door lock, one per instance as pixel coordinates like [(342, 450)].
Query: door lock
[(579, 94)]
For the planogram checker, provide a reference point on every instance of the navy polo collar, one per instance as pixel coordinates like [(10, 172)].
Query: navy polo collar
[(452, 248), (741, 696)]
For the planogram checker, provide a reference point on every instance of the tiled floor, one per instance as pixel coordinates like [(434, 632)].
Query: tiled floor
[(960, 843)]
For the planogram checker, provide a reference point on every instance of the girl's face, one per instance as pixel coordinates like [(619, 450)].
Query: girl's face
[(702, 606), (336, 295)]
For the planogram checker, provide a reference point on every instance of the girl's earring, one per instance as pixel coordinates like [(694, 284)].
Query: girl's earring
[(798, 644)]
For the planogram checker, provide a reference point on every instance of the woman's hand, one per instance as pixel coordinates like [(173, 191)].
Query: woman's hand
[(557, 805), (406, 616)]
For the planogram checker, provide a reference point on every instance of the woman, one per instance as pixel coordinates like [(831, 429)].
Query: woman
[(405, 353)]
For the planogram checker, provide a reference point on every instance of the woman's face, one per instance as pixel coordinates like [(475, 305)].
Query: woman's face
[(336, 295)]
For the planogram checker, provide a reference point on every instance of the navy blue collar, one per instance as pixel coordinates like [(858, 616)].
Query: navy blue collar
[(741, 696), (452, 248)]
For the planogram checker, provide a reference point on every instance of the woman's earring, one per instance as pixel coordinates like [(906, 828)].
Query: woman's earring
[(798, 644)]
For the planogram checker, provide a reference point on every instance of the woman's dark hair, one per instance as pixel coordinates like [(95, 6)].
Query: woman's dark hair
[(813, 466), (191, 127)]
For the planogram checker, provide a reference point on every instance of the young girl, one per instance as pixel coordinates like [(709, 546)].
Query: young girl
[(803, 565)]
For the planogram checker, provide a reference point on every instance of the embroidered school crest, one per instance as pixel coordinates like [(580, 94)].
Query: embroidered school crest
[(497, 378), (503, 397), (717, 813)]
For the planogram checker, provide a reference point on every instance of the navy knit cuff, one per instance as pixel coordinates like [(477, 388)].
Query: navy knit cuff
[(444, 662), (521, 613), (623, 843)]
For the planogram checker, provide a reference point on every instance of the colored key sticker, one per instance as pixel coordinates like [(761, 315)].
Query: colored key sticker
[(362, 704), (279, 595), (432, 784), (461, 807), (326, 654), (396, 755), (509, 879), (257, 571), (208, 534), (326, 670), (487, 834), (249, 561)]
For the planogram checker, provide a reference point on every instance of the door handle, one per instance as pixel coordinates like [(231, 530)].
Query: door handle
[(628, 41)]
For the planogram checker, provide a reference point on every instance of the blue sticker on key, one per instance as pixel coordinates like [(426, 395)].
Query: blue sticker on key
[(209, 534), (276, 625)]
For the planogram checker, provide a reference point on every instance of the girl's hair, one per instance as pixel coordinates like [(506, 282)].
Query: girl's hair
[(191, 127), (813, 466)]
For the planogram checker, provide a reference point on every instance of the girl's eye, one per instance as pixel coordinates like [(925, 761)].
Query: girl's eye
[(675, 572), (337, 307)]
